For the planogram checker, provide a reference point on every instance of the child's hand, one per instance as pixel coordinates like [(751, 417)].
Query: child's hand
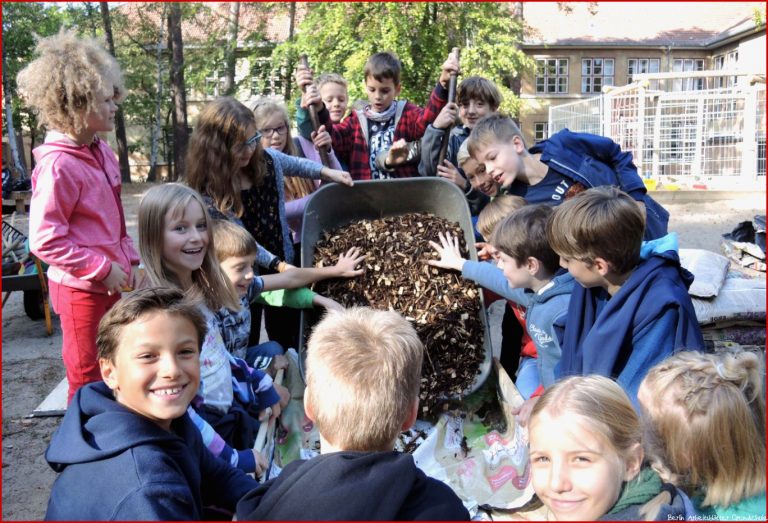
[(452, 174), (311, 97), (285, 397), (271, 413), (279, 362), (348, 261), (447, 116), (334, 175), (485, 251), (261, 463), (448, 250), (321, 138), (451, 65), (397, 154), (524, 412), (303, 76), (138, 278), (115, 280), (327, 303)]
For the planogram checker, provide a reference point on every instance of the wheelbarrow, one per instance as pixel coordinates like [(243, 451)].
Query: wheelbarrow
[(34, 284), (336, 205)]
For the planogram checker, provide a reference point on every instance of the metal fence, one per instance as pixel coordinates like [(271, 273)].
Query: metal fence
[(705, 126)]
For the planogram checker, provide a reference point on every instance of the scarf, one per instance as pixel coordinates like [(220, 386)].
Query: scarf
[(643, 488), (380, 117)]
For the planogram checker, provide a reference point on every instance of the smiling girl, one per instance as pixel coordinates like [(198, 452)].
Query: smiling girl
[(76, 221), (587, 457)]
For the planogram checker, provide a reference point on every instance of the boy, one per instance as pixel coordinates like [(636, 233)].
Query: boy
[(361, 137), (526, 275), (555, 169), (476, 97), (632, 308), (363, 375), (332, 88), (126, 450), (236, 253), (478, 178)]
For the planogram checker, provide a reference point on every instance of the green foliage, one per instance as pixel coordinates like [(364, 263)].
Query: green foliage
[(340, 37)]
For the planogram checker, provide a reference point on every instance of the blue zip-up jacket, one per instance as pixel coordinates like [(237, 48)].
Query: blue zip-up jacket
[(545, 313), (593, 161), (430, 151), (117, 465), (649, 318)]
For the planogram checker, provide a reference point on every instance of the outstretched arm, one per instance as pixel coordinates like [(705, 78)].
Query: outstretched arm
[(448, 250), (293, 278)]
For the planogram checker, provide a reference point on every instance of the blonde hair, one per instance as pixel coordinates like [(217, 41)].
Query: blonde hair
[(327, 78), (209, 283), (363, 377), (211, 165), (295, 187), (232, 240), (705, 417), (495, 211), (491, 129), (601, 222), (67, 77)]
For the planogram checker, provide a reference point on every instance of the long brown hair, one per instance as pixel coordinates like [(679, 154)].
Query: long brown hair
[(211, 167), (295, 186)]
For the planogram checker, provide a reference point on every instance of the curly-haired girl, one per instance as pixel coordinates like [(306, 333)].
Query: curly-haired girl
[(76, 222)]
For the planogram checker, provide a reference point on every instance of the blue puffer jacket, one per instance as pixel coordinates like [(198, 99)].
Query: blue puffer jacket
[(593, 161)]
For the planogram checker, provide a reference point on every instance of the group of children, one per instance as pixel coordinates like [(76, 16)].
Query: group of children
[(168, 385)]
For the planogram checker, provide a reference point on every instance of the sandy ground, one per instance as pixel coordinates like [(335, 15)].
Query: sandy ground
[(31, 361)]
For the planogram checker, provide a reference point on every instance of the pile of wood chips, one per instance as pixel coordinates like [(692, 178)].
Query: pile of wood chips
[(444, 308)]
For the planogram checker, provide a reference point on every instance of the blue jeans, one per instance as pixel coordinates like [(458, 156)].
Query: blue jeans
[(260, 356), (528, 376)]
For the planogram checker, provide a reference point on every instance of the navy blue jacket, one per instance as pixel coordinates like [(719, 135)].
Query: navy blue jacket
[(593, 161), (345, 486), (648, 319), (117, 465)]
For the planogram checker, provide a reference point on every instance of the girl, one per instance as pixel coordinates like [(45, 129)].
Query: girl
[(244, 182), (705, 416), (76, 221), (586, 456)]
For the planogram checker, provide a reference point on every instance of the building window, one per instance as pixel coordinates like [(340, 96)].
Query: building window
[(643, 66), (266, 81), (552, 76), (686, 65), (539, 131), (595, 73), (214, 84), (726, 62)]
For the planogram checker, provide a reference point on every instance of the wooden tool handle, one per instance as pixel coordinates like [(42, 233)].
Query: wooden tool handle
[(324, 157)]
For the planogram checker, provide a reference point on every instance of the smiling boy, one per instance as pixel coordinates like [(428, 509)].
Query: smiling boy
[(126, 449), (360, 138), (562, 166)]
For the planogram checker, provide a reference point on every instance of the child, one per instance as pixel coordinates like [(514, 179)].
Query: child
[(526, 275), (478, 177), (236, 252), (76, 221), (631, 308), (514, 337), (705, 415), (475, 98), (363, 376), (244, 182), (126, 449), (586, 456), (360, 138), (555, 169), (179, 252), (332, 89)]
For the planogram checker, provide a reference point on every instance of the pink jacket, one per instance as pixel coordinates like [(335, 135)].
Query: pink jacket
[(75, 223)]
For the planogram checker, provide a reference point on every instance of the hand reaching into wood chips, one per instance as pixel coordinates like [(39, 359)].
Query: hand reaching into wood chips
[(448, 250)]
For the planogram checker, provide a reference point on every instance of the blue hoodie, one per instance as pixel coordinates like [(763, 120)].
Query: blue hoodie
[(545, 315), (593, 161), (117, 465), (649, 318)]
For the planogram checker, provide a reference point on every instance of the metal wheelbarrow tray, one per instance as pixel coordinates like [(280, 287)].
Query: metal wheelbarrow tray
[(333, 206)]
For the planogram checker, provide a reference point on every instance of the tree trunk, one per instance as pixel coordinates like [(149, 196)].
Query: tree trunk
[(287, 81), (517, 14), (89, 16), (180, 137), (122, 141), (234, 20), (152, 175), (12, 143)]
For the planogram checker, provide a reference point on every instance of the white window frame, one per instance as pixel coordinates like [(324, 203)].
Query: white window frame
[(685, 65), (551, 73), (597, 72), (643, 66), (540, 131)]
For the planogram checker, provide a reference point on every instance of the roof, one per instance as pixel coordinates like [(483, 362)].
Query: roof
[(635, 24)]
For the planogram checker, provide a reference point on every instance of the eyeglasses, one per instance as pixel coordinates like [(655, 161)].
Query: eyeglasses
[(253, 141), (281, 130)]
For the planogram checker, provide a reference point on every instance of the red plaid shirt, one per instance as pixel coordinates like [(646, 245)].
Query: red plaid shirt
[(350, 145)]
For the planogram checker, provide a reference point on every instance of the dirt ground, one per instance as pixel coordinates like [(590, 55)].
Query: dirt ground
[(32, 367)]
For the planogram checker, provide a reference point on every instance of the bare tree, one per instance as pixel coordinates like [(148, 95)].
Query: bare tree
[(122, 141), (180, 136), (231, 58), (152, 175), (9, 123), (287, 83)]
